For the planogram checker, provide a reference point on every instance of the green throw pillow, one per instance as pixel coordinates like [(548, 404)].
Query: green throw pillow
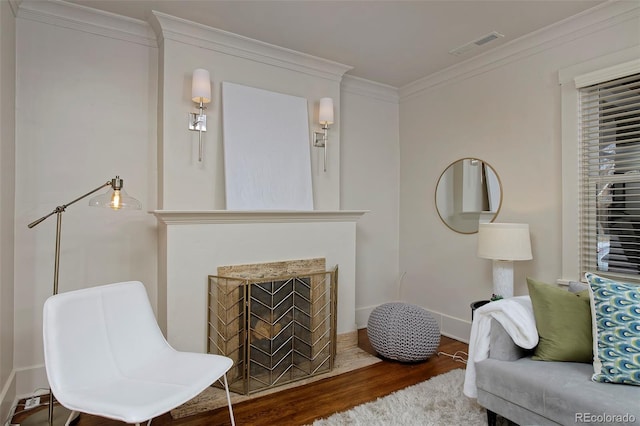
[(563, 320), (616, 326)]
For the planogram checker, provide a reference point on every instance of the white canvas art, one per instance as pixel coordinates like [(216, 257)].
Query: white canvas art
[(266, 150)]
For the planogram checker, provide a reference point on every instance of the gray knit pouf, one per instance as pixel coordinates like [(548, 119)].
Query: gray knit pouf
[(403, 332)]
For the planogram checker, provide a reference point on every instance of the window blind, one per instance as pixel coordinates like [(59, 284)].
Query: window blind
[(610, 177)]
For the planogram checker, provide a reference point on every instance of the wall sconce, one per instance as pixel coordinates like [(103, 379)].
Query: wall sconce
[(200, 94), (325, 117)]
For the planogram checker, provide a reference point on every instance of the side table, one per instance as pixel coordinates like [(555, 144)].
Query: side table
[(475, 305)]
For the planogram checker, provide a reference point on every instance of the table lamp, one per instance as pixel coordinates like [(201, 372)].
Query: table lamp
[(504, 243)]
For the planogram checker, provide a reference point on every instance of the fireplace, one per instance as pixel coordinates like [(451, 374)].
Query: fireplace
[(277, 321), (192, 244)]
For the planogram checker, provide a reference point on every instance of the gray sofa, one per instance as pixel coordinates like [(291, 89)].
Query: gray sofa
[(530, 392)]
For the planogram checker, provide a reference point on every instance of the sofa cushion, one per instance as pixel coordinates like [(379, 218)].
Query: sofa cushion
[(616, 330), (558, 391), (563, 320), (577, 286)]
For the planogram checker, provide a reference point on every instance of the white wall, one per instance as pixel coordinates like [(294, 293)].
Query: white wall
[(85, 111), (186, 46), (187, 184), (503, 108), (369, 180), (7, 205)]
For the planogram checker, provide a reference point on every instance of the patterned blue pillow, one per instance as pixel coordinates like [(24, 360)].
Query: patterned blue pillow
[(615, 311)]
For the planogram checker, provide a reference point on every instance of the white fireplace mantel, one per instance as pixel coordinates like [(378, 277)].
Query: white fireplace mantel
[(175, 217), (194, 243)]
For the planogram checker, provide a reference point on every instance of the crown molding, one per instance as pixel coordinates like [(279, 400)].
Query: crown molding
[(370, 89), (608, 67), (184, 31), (89, 20), (14, 5), (580, 25)]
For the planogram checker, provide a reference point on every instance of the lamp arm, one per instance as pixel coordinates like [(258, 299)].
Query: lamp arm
[(62, 208)]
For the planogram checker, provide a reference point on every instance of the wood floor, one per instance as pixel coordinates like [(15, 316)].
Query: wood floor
[(304, 404)]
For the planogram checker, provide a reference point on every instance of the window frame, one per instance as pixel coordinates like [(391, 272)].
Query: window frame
[(571, 79)]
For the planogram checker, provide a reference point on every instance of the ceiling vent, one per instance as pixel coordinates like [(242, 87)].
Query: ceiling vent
[(494, 35)]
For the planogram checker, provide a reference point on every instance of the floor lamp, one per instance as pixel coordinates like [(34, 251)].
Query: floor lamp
[(504, 243), (115, 198)]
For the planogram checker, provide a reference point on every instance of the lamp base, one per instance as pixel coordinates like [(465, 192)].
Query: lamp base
[(503, 278), (41, 417)]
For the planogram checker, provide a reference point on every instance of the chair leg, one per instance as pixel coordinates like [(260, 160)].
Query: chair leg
[(492, 418), (226, 388), (72, 417)]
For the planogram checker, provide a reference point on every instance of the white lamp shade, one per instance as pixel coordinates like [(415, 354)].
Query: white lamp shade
[(325, 115), (504, 241), (201, 86)]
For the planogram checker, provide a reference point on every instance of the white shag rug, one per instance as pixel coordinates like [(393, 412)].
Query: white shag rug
[(438, 401)]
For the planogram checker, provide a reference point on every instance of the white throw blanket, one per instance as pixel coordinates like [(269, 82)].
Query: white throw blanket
[(516, 316)]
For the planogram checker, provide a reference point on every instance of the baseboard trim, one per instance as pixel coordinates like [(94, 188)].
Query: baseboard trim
[(362, 316), (31, 381), (452, 327), (451, 336)]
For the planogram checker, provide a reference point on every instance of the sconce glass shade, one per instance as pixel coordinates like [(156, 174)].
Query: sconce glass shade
[(201, 86), (325, 115), (115, 198), (504, 241)]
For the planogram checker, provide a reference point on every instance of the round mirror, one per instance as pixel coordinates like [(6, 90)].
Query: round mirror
[(468, 193)]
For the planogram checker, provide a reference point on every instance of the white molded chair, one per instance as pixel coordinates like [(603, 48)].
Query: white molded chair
[(105, 355)]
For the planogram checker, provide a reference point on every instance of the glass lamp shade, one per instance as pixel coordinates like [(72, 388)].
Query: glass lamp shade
[(116, 199)]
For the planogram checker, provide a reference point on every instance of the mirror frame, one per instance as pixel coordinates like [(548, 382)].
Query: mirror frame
[(495, 215)]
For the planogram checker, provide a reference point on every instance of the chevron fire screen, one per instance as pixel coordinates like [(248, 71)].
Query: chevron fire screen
[(276, 328)]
